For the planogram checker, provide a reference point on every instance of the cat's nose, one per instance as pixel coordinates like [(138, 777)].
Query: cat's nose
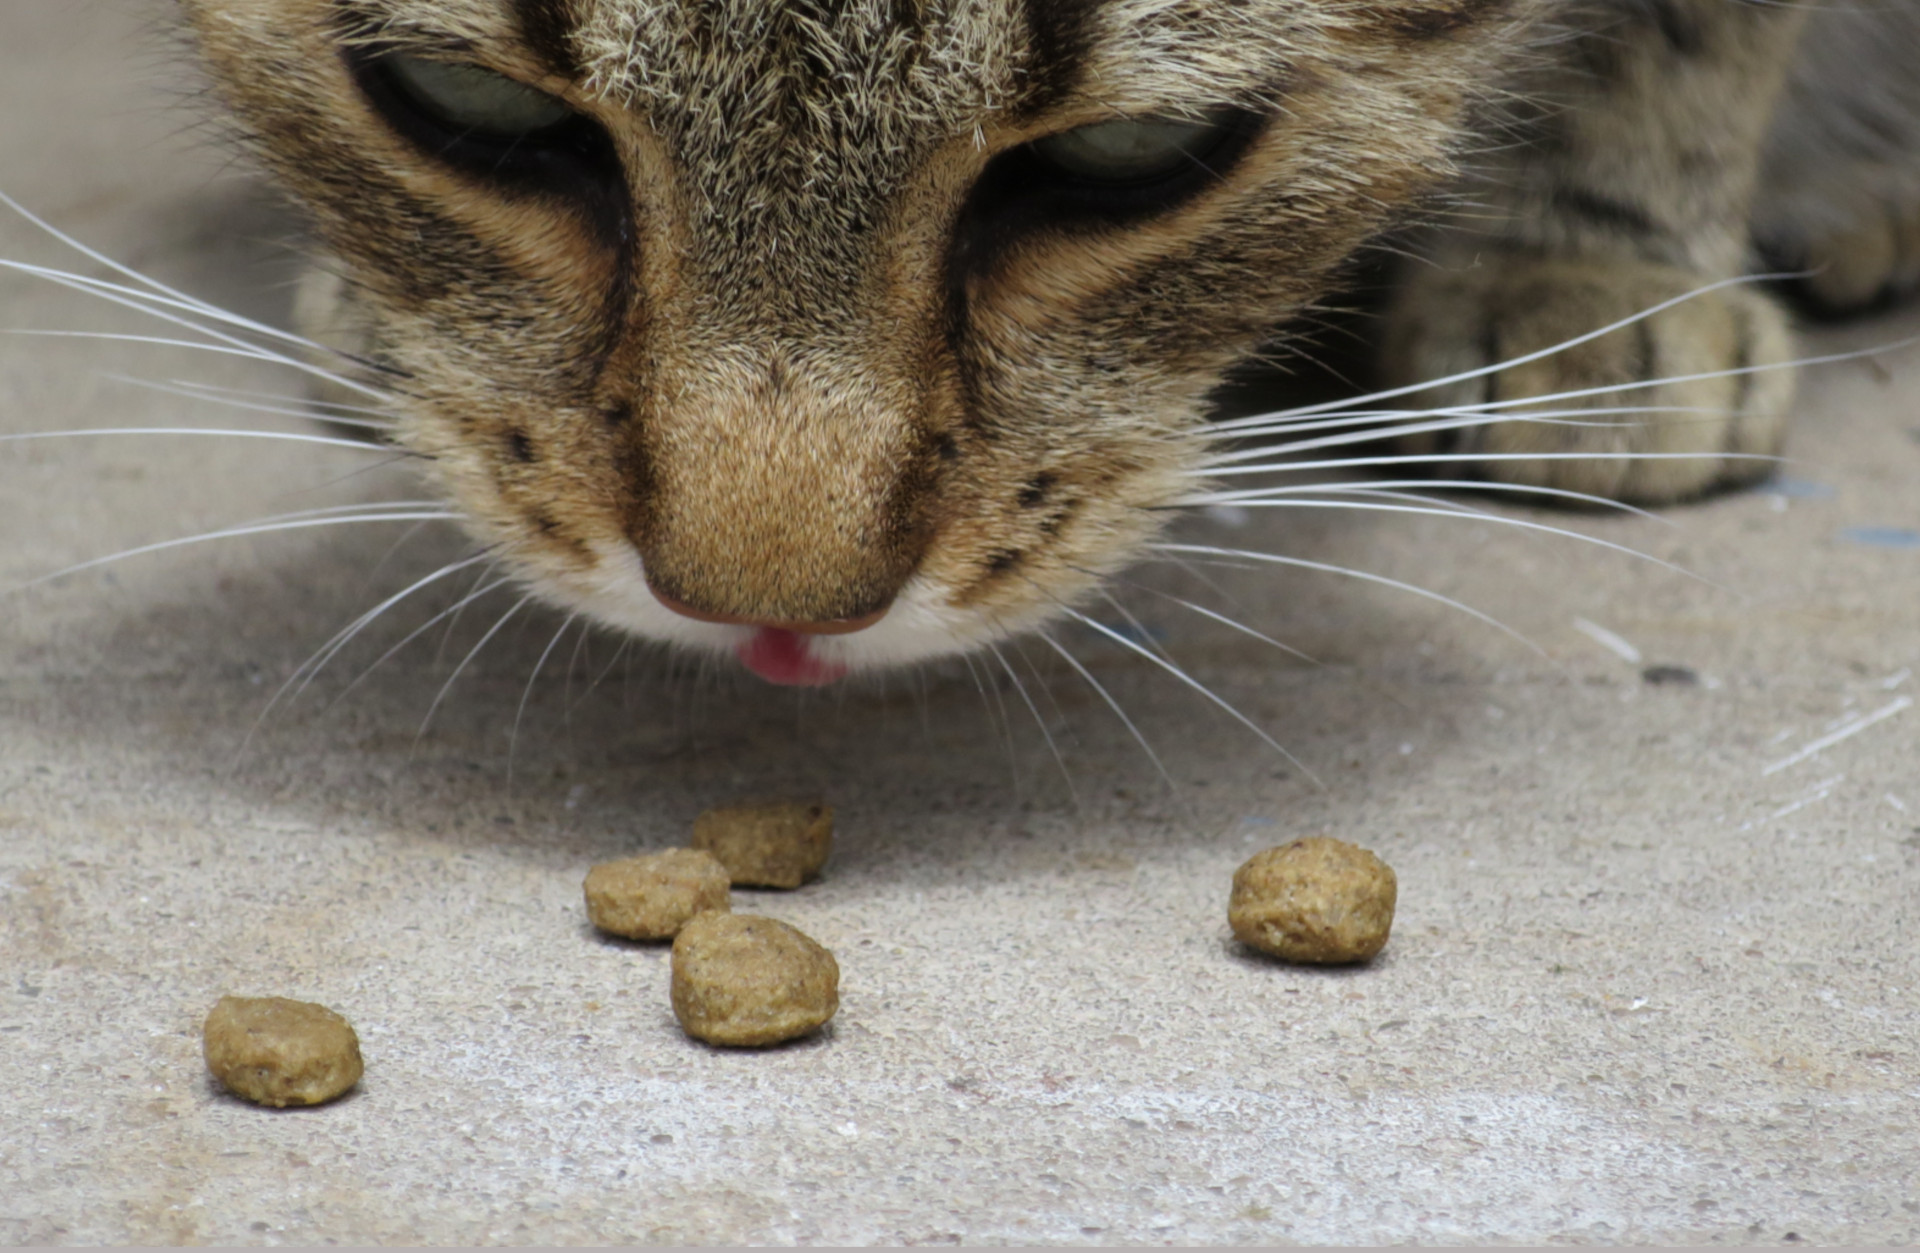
[(836, 626)]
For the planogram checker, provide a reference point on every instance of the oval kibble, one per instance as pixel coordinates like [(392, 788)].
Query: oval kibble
[(652, 896), (1315, 900), (278, 1052), (742, 980), (777, 844)]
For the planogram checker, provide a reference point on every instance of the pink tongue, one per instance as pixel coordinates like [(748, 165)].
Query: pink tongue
[(783, 657)]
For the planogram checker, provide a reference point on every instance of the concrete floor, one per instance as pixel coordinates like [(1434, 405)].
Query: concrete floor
[(1654, 977)]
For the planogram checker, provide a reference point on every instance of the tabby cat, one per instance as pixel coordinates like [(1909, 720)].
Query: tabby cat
[(836, 334)]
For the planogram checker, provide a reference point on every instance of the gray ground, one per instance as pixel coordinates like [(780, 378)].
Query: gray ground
[(1653, 976)]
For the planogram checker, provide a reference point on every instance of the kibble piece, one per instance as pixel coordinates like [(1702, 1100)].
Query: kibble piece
[(781, 844), (652, 897), (278, 1052), (1314, 900), (739, 979)]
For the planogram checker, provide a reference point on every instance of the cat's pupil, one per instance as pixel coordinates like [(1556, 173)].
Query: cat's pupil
[(1132, 150), (473, 98)]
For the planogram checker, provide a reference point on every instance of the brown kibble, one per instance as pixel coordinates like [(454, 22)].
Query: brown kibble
[(653, 896), (278, 1052), (780, 844), (1314, 900), (739, 979)]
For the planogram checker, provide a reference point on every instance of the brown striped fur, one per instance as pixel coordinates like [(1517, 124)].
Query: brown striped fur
[(770, 369)]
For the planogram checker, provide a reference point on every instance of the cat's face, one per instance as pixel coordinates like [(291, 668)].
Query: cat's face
[(725, 317)]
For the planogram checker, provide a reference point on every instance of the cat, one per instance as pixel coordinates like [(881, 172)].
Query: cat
[(837, 336)]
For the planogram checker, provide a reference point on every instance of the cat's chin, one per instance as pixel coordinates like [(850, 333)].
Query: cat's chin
[(919, 627)]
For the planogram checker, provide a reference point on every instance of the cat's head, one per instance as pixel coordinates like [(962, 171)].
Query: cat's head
[(835, 333)]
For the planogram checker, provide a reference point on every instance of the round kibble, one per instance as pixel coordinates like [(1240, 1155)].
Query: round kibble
[(653, 896), (743, 980), (278, 1052), (1314, 900), (780, 844)]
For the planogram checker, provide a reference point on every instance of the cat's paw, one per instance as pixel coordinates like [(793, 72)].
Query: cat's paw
[(1862, 264), (1668, 407)]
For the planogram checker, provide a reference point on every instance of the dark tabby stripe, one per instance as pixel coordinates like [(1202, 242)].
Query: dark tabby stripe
[(1439, 17), (547, 27), (1061, 33)]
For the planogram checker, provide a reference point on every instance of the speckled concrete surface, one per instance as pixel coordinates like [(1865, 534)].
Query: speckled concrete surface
[(1653, 979)]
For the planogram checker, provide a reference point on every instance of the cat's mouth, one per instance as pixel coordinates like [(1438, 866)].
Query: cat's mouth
[(782, 652), (787, 658)]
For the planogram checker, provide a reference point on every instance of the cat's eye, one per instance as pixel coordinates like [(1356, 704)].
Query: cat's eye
[(473, 98), (1100, 176), (517, 139), (1133, 150)]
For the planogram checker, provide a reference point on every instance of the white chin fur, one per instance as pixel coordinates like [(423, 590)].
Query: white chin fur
[(918, 627)]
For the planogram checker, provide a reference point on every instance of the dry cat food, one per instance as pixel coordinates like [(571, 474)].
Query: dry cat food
[(739, 979), (1314, 900), (278, 1052), (653, 896), (779, 844)]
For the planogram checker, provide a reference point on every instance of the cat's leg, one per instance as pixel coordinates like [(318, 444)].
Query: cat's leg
[(1839, 194), (1625, 183)]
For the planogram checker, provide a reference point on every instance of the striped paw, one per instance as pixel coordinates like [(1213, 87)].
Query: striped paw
[(1687, 395)]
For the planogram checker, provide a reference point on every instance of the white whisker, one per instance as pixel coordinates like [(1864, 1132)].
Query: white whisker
[(1476, 516), (329, 510), (251, 406), (1554, 417), (1348, 463), (1376, 418), (327, 651), (149, 303), (1223, 620), (618, 653), (1139, 627), (1363, 575), (1046, 732), (1472, 485), (1496, 368), (995, 706), (1112, 704), (1046, 688), (305, 403), (460, 669), (144, 305), (251, 354), (1180, 673), (152, 284), (1243, 428), (230, 533), (293, 437), (453, 610), (513, 737)]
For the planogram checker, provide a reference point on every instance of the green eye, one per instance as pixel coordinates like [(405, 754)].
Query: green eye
[(1133, 150), (475, 99)]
